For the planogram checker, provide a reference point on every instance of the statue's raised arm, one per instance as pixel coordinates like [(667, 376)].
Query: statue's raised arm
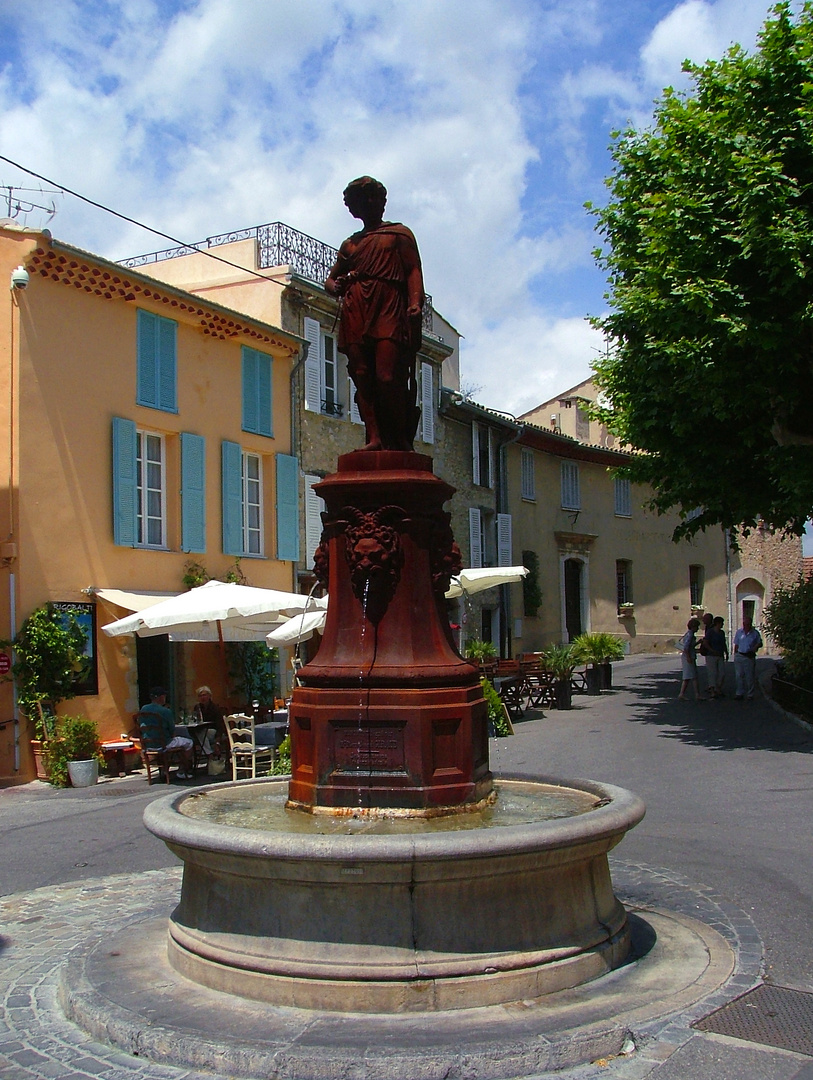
[(378, 277)]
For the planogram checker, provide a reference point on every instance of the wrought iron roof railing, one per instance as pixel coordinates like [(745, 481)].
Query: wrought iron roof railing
[(278, 245)]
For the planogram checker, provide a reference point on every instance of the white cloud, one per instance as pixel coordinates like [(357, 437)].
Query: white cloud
[(696, 30)]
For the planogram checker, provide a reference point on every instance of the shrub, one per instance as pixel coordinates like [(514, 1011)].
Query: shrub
[(75, 739), (598, 648), (496, 710), (282, 762), (789, 620)]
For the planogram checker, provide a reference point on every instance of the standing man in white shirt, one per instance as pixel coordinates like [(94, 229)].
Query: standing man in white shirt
[(747, 641)]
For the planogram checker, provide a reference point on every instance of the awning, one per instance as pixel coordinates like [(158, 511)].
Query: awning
[(131, 600)]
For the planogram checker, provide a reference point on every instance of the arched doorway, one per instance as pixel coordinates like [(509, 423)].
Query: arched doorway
[(750, 598), (573, 582)]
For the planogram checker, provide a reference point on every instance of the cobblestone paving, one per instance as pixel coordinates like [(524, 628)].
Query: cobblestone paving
[(38, 931)]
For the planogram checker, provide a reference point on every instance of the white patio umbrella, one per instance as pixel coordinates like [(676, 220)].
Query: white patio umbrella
[(297, 628), (216, 611), (476, 579), (300, 627)]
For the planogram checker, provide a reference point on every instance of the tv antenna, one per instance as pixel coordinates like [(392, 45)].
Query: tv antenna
[(21, 201)]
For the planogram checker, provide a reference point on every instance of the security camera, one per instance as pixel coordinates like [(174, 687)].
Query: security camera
[(20, 278)]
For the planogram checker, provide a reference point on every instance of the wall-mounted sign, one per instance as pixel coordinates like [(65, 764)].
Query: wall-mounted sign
[(5, 663), (85, 615)]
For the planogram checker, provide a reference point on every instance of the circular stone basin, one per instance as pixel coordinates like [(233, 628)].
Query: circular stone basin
[(368, 915)]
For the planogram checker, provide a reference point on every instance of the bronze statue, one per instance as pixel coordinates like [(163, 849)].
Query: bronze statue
[(379, 280)]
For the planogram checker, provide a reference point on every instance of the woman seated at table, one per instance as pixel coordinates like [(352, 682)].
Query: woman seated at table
[(206, 712)]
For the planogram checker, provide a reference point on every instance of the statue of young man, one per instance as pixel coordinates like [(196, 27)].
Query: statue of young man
[(378, 277)]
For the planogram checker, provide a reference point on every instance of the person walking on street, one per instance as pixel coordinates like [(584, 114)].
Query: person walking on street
[(688, 659), (716, 656), (747, 642), (703, 649)]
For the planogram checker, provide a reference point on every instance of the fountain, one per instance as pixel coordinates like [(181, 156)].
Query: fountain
[(394, 877)]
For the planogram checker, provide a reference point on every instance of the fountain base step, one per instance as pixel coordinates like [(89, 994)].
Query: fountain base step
[(121, 989)]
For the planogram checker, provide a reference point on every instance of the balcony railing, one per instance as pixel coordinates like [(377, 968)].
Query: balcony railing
[(278, 245)]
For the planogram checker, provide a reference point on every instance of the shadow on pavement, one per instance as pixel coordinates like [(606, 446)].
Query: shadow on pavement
[(724, 724)]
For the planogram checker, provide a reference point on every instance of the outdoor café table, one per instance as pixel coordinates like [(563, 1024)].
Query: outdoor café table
[(120, 756), (197, 733), (273, 731)]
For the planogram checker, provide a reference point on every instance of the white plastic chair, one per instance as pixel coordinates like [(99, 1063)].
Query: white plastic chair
[(246, 756)]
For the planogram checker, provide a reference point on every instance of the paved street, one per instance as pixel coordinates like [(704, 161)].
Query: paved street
[(728, 789)]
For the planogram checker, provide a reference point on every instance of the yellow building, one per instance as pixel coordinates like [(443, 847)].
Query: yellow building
[(145, 428), (605, 562)]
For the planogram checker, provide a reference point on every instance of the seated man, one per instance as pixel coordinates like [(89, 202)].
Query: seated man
[(162, 736), (206, 712)]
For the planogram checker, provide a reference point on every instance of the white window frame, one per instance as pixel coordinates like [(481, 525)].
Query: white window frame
[(527, 474), (247, 503), (623, 497), (571, 490), (143, 488)]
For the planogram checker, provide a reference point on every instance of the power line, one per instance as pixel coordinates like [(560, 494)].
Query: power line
[(140, 224)]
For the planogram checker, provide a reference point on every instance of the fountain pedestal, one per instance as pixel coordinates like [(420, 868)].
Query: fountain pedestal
[(388, 714)]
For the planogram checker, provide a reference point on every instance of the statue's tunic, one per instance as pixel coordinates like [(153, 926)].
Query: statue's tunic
[(374, 307)]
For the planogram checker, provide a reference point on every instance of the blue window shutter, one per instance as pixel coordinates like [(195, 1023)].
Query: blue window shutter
[(193, 493), (232, 490), (147, 359), (156, 363), (256, 392), (264, 395), (287, 508), (124, 482), (167, 366), (250, 402)]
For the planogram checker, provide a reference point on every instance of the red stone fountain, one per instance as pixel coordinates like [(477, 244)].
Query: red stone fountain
[(388, 715)]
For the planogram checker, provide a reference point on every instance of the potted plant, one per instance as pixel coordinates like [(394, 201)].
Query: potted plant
[(49, 661), (598, 650), (483, 654), (73, 752), (560, 660)]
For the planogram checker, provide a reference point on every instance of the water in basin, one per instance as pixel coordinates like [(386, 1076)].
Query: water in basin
[(262, 806)]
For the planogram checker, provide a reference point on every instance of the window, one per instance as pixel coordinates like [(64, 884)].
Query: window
[(696, 577), (482, 455), (150, 490), (623, 498), (251, 475), (527, 477), (571, 496), (156, 362), (321, 371), (256, 377), (330, 381), (242, 501), (623, 581)]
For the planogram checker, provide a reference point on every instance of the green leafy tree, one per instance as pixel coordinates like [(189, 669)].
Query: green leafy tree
[(49, 663), (789, 620), (709, 233)]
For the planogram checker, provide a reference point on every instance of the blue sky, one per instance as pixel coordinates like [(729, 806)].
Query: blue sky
[(488, 121)]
